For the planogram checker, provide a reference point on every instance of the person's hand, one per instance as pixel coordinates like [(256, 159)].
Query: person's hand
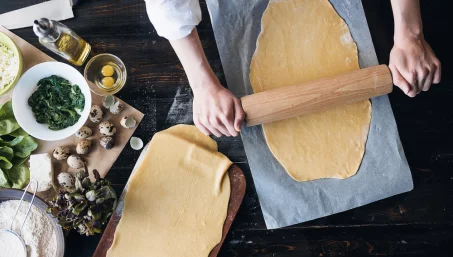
[(216, 110), (413, 64)]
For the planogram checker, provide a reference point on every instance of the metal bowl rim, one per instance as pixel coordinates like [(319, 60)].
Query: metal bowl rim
[(57, 228)]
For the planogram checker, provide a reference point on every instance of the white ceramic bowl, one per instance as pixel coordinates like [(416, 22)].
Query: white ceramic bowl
[(28, 84)]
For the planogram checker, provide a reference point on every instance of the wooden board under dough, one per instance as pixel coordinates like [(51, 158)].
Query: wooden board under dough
[(238, 184)]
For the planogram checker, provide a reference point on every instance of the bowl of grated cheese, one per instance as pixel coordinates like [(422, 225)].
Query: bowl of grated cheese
[(10, 63)]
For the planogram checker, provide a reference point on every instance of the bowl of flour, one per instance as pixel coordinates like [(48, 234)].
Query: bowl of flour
[(42, 235)]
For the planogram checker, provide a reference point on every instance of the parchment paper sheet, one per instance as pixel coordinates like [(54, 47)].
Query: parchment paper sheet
[(98, 158), (384, 171), (54, 10)]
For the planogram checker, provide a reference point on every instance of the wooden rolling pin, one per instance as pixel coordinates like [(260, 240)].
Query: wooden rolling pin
[(318, 95)]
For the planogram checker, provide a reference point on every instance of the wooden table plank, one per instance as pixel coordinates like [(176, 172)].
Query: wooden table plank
[(407, 241), (418, 223)]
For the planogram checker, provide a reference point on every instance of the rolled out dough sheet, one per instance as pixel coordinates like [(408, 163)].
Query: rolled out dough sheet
[(177, 199), (303, 40)]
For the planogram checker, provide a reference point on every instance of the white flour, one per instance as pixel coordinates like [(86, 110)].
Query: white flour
[(11, 245), (181, 108), (37, 233)]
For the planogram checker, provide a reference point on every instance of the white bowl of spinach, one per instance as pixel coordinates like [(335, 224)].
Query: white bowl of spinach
[(51, 101)]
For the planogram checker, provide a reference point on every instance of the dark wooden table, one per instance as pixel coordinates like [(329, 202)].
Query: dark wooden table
[(418, 223)]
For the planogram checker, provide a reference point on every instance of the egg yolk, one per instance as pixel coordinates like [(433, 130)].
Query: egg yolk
[(107, 71), (108, 82)]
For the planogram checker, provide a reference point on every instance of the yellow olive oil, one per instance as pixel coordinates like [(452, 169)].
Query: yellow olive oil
[(62, 40)]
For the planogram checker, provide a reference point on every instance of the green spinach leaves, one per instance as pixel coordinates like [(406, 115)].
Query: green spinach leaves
[(15, 148), (56, 102)]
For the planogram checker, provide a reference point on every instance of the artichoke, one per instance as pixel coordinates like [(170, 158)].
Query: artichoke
[(88, 207)]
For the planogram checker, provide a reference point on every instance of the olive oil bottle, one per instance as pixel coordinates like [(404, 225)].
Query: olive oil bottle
[(62, 40)]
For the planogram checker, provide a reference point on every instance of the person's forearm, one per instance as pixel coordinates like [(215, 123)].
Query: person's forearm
[(408, 21), (413, 64), (193, 59)]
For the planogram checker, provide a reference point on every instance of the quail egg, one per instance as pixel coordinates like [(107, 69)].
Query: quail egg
[(74, 161), (84, 146), (61, 153), (107, 142), (116, 108), (84, 132), (66, 180), (107, 128), (96, 114)]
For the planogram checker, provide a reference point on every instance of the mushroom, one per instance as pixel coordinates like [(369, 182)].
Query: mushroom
[(128, 122), (107, 142), (74, 161), (66, 180), (84, 146), (96, 114), (84, 132), (61, 153), (116, 108), (107, 128)]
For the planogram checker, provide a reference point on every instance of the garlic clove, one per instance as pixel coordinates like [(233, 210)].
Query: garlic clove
[(136, 143)]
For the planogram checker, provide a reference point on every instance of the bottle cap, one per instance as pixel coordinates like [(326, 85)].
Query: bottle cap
[(42, 27)]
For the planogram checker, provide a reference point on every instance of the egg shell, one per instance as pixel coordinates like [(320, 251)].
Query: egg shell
[(108, 101), (136, 143), (117, 107), (128, 122)]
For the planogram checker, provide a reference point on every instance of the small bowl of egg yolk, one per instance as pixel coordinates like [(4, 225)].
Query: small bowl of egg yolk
[(105, 74)]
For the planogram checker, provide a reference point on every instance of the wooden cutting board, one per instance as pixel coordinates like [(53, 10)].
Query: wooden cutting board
[(99, 158), (237, 183)]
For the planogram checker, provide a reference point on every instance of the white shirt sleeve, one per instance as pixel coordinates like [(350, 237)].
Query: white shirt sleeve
[(174, 19)]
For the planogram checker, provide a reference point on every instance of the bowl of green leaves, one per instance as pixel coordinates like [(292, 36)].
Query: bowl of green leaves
[(51, 101)]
